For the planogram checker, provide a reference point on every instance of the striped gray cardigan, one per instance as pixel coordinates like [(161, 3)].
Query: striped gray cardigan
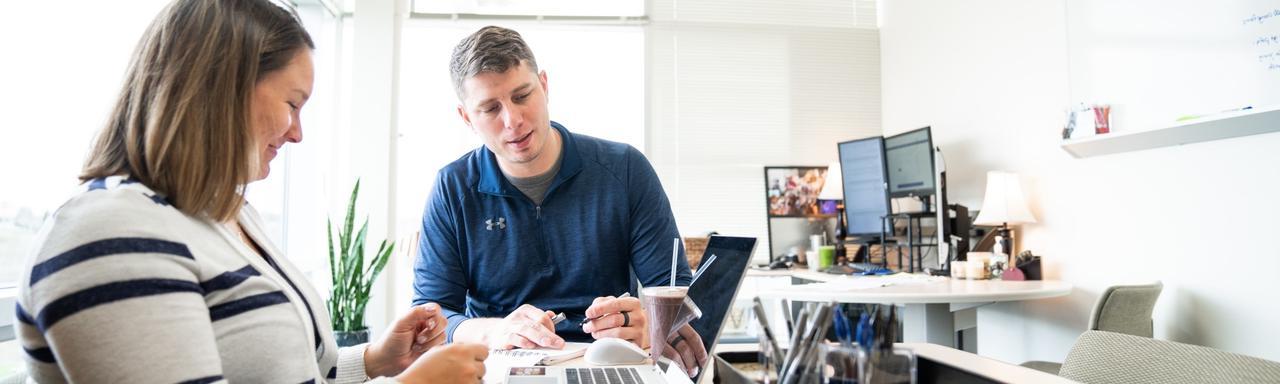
[(125, 288)]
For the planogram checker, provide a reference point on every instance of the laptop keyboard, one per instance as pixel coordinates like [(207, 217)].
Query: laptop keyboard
[(602, 376)]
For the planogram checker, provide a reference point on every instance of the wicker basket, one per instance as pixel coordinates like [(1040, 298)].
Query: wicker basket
[(693, 249)]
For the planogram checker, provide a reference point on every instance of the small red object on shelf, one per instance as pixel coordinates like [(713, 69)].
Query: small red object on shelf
[(1102, 117)]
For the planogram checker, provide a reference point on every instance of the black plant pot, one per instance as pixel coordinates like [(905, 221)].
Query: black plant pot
[(349, 338)]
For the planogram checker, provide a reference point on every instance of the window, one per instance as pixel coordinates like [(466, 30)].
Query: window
[(43, 143), (620, 8), (55, 104), (296, 198), (736, 85), (605, 101)]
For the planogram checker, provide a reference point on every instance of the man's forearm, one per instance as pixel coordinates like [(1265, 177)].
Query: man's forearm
[(475, 330)]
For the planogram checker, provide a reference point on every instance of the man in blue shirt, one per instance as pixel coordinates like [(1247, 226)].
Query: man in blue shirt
[(540, 220)]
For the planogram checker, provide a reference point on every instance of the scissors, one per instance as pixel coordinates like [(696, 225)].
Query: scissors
[(864, 334), (844, 330), (845, 360)]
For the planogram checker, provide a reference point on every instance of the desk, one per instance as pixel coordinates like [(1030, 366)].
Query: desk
[(929, 301), (986, 369)]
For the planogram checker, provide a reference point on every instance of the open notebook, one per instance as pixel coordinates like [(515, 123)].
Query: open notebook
[(500, 360), (540, 356)]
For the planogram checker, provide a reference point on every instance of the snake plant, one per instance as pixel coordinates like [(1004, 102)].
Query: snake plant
[(352, 277)]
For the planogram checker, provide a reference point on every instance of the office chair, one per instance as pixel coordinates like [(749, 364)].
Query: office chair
[(1122, 309), (1126, 309), (1100, 357)]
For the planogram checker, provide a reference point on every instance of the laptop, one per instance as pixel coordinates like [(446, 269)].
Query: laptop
[(714, 293)]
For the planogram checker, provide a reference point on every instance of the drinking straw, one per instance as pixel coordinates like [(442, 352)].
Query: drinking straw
[(675, 252)]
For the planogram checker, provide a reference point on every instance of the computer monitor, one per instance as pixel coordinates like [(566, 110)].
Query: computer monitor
[(866, 199), (909, 157)]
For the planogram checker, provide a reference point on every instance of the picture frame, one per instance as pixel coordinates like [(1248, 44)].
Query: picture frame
[(792, 191)]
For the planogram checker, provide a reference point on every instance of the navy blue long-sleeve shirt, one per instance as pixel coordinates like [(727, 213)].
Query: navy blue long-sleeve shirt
[(486, 248)]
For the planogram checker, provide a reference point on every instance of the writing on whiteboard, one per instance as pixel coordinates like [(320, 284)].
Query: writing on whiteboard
[(1259, 18), (1269, 57), (1267, 42)]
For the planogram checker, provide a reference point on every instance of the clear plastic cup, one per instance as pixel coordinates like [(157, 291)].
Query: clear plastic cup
[(841, 364), (668, 309)]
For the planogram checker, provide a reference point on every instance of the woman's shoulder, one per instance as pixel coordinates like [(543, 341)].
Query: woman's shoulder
[(107, 217), (114, 206), (115, 196)]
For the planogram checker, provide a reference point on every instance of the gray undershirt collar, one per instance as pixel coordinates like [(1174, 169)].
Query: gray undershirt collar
[(535, 187)]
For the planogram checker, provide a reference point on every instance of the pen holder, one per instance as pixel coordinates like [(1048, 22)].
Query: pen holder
[(768, 372), (809, 369), (1031, 268), (887, 366), (842, 364)]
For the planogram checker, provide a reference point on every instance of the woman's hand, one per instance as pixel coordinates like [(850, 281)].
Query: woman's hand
[(414, 333), (453, 363)]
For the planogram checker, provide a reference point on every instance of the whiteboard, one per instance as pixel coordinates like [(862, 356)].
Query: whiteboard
[(1155, 61)]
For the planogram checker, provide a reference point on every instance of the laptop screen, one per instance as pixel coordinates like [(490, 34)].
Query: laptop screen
[(716, 289)]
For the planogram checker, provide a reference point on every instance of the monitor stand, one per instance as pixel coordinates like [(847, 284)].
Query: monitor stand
[(860, 261)]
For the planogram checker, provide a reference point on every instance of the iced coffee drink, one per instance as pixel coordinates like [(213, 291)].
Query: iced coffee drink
[(668, 309)]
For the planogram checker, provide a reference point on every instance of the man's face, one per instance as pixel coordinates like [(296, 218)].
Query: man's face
[(509, 112)]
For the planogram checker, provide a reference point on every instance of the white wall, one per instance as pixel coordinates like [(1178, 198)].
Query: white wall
[(734, 86), (991, 77)]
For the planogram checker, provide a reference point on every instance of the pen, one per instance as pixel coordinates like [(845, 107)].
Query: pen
[(758, 307), (1193, 117), (797, 336), (802, 360), (588, 320)]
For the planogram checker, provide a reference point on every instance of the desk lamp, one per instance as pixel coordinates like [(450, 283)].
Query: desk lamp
[(833, 189), (1002, 205)]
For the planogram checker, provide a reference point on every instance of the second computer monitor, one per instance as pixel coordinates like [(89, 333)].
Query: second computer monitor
[(866, 201), (909, 156)]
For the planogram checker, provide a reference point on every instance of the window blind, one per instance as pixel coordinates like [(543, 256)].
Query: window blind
[(734, 86)]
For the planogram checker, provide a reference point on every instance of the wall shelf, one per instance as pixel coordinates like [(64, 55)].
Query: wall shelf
[(1221, 126)]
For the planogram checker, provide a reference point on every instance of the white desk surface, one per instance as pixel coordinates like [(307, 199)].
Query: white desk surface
[(909, 289), (982, 366)]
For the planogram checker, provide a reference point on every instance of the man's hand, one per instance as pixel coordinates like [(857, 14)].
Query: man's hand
[(686, 349), (622, 318), (527, 327), (414, 333)]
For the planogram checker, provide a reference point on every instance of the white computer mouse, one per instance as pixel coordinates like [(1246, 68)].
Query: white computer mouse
[(614, 351)]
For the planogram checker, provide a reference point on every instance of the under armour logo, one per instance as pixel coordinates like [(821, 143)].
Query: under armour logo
[(501, 223)]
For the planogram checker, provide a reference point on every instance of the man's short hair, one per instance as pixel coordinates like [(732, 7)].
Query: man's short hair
[(491, 49)]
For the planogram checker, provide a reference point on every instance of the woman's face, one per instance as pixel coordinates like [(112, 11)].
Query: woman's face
[(274, 109)]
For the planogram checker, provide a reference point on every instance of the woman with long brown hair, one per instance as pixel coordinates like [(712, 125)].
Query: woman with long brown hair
[(160, 271)]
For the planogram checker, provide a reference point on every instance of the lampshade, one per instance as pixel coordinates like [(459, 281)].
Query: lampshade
[(833, 188), (1004, 202)]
